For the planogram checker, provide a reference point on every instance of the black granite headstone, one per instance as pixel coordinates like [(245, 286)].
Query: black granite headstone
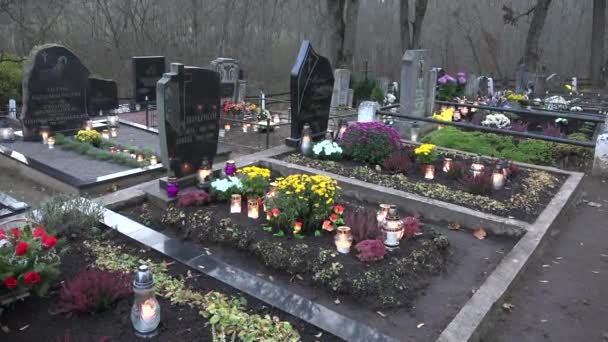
[(312, 82), (189, 103), (103, 95), (54, 91), (147, 70)]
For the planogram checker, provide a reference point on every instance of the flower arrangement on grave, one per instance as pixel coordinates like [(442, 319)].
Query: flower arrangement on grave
[(522, 99), (446, 115), (327, 150), (370, 142), (303, 203), (449, 87), (497, 121), (426, 154), (89, 136), (224, 188), (255, 181), (28, 259), (240, 108)]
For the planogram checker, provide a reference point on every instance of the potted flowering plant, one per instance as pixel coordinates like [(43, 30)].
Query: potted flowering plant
[(224, 188), (255, 181), (449, 87), (426, 155), (91, 137), (302, 203), (327, 150), (28, 260)]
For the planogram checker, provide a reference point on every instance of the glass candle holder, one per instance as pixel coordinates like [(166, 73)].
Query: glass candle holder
[(245, 127), (306, 141), (7, 134), (203, 174), (230, 168), (105, 134), (235, 204), (382, 212), (342, 130), (276, 118), (227, 127), (113, 120), (114, 132), (140, 158), (343, 239), (145, 312), (392, 228), (44, 134), (414, 132), (113, 149), (447, 164), (498, 178), (153, 160), (51, 142), (88, 125), (477, 167), (429, 171), (253, 208), (172, 187)]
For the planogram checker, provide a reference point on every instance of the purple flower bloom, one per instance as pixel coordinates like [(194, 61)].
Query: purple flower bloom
[(462, 80), (461, 74), (446, 79)]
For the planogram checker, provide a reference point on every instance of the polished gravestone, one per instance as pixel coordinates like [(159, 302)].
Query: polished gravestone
[(312, 82), (10, 206), (147, 70), (103, 95), (189, 106), (55, 86)]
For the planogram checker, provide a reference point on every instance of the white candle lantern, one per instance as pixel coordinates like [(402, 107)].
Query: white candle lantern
[(477, 167), (145, 312), (498, 178), (306, 141), (7, 133), (44, 134), (140, 158), (105, 134), (153, 160), (253, 208), (245, 127), (113, 120), (88, 125), (447, 164), (429, 171), (203, 175), (114, 132), (276, 118), (227, 127), (382, 212), (343, 239), (51, 142), (342, 130), (414, 131), (392, 228), (235, 204)]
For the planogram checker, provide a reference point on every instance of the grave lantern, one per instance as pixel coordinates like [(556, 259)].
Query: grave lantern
[(51, 142), (392, 228), (105, 134), (343, 127), (203, 175), (429, 171), (113, 120), (276, 118), (114, 132), (153, 160), (245, 127), (447, 164), (414, 131), (477, 167), (88, 125), (145, 312), (227, 127), (306, 141), (140, 158), (343, 239), (498, 178), (44, 133), (272, 193), (382, 212), (329, 135), (230, 168), (7, 133), (235, 204), (172, 187), (253, 208)]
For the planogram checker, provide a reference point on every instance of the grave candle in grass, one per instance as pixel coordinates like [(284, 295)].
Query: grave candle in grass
[(230, 168), (113, 149), (343, 239), (172, 187), (140, 158), (392, 228), (145, 312), (235, 204), (51, 142)]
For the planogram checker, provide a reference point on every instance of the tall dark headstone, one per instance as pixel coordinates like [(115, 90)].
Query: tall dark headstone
[(188, 99), (54, 91), (312, 82), (103, 95), (147, 70)]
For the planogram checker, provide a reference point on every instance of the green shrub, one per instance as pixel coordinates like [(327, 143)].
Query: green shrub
[(70, 215), (363, 89), (377, 94), (10, 78)]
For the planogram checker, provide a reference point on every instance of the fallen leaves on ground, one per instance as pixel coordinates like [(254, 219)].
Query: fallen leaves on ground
[(454, 226), (507, 306), (480, 233)]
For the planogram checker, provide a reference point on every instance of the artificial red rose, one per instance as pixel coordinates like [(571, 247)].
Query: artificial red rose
[(2, 234), (31, 278), (333, 218), (275, 212), (338, 209), (328, 226), (49, 241), (21, 248), (16, 233), (39, 232), (10, 282)]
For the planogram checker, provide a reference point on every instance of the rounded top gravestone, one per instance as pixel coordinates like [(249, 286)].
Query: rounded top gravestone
[(54, 91)]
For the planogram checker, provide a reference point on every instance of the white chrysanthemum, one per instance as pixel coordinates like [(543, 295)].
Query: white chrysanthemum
[(497, 120), (327, 147), (221, 185)]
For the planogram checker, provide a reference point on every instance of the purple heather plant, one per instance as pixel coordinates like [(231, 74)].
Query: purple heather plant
[(552, 130), (519, 126), (446, 79), (398, 162), (370, 250), (363, 223), (370, 142)]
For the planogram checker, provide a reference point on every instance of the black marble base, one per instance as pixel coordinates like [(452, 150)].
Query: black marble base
[(10, 206)]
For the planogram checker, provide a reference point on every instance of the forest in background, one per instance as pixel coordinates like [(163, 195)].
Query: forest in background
[(264, 35)]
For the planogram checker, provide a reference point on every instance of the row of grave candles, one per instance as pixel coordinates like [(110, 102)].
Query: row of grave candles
[(499, 176), (276, 119)]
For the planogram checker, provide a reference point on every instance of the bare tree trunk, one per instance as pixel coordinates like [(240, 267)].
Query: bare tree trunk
[(404, 24), (343, 18), (597, 42), (531, 55), (350, 34), (420, 13)]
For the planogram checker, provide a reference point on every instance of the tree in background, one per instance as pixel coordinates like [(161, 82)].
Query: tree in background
[(539, 16), (343, 15), (598, 29), (411, 30)]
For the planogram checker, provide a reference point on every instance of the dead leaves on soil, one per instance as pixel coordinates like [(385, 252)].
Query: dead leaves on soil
[(480, 233)]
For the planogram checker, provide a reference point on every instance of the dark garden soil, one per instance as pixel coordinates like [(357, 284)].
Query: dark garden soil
[(523, 197), (30, 320), (425, 280)]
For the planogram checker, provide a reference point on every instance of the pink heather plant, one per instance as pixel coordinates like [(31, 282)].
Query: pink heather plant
[(370, 142)]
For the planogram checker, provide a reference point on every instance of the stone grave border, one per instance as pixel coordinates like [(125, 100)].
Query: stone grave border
[(469, 324)]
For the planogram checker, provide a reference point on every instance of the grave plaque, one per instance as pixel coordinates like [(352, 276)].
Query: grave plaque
[(54, 91), (103, 95), (189, 105), (414, 82), (471, 89), (339, 96), (432, 92), (147, 70), (228, 68), (311, 86)]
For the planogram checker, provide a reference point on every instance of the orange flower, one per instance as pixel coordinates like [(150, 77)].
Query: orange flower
[(328, 226), (297, 227)]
